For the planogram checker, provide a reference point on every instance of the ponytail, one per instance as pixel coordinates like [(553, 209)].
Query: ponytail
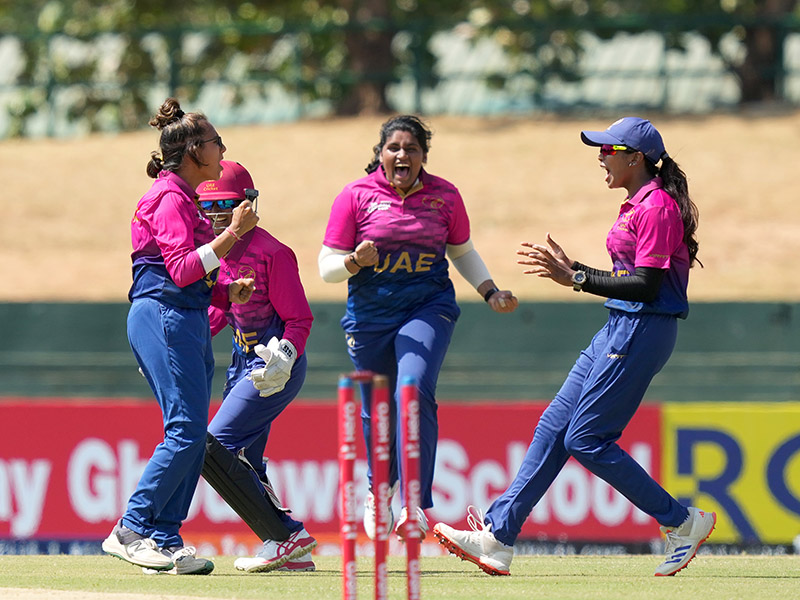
[(677, 186)]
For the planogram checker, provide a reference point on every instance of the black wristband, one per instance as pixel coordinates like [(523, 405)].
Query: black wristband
[(489, 293), (353, 258)]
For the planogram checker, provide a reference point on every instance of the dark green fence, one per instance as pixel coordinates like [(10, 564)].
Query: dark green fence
[(61, 83), (726, 351)]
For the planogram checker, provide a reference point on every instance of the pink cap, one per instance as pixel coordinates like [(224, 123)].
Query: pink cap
[(230, 186)]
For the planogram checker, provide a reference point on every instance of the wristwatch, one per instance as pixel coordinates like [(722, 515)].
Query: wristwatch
[(578, 279)]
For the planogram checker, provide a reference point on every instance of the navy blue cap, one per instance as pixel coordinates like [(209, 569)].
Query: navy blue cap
[(633, 132)]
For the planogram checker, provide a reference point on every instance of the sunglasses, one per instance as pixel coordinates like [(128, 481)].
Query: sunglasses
[(221, 204), (249, 194), (217, 140), (609, 150)]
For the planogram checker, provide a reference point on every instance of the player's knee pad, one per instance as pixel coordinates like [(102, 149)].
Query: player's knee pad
[(238, 484)]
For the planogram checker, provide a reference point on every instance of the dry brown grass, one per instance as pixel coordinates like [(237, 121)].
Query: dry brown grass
[(67, 203)]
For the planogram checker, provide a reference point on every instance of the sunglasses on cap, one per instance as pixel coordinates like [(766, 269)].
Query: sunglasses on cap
[(609, 150), (249, 194)]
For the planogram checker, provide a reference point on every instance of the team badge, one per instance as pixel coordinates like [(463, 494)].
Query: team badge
[(246, 271), (433, 203)]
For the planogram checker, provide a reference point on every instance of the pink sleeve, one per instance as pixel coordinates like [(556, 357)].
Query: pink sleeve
[(219, 293), (216, 319), (172, 223), (288, 298), (341, 231), (458, 232), (219, 296), (658, 234)]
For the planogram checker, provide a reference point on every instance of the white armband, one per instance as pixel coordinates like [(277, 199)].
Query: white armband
[(469, 263), (208, 257), (332, 265)]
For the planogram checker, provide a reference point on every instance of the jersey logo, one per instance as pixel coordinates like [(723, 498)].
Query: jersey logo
[(433, 203), (247, 272), (379, 205), (350, 340), (405, 263), (624, 222)]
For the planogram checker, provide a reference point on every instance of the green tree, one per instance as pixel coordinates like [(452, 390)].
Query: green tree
[(106, 60), (760, 25)]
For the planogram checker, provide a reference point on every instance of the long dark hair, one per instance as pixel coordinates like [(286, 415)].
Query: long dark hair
[(181, 135), (410, 123), (677, 186)]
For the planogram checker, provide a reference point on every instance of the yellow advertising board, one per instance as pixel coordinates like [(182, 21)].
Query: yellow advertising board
[(741, 460)]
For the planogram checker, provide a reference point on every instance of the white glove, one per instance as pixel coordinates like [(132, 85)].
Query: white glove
[(279, 357)]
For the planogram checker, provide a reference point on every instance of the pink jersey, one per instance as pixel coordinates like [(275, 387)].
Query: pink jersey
[(278, 306), (649, 233), (411, 234), (166, 230)]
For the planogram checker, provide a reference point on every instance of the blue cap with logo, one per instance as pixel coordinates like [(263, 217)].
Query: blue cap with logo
[(633, 132)]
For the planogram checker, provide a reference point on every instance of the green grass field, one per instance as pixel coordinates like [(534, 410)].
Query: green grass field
[(566, 577)]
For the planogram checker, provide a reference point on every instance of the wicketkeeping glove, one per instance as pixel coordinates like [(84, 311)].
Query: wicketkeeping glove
[(279, 357)]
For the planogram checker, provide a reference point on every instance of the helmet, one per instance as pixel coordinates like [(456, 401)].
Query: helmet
[(234, 186)]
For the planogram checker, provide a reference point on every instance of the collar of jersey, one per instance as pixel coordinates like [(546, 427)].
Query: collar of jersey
[(414, 188), (418, 185), (653, 184)]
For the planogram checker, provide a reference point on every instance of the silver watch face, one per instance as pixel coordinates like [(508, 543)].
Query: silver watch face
[(579, 277)]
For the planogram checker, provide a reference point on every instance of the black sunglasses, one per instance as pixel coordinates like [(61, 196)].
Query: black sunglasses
[(217, 140)]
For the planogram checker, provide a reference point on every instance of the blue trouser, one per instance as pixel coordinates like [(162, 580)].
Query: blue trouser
[(173, 348), (415, 348), (586, 418), (245, 418)]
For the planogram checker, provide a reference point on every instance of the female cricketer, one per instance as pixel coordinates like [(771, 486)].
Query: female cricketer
[(275, 325), (389, 235), (175, 262), (652, 246)]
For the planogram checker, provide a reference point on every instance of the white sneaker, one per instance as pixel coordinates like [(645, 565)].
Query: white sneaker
[(304, 563), (683, 541), (186, 563), (422, 522), (478, 546), (369, 511), (274, 555), (136, 549)]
